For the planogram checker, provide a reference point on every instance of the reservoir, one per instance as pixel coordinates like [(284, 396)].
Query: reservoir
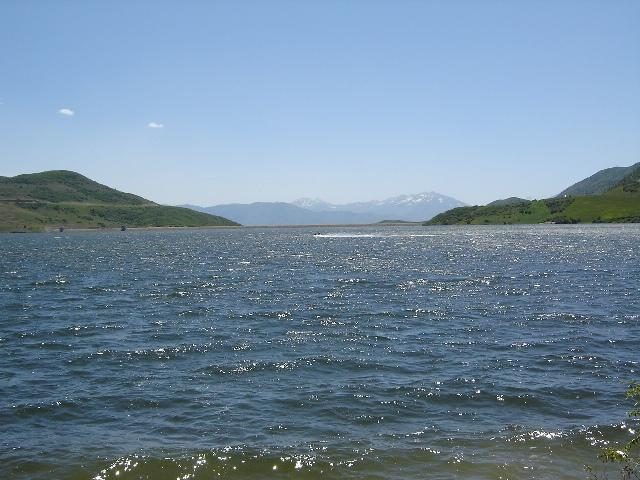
[(371, 352)]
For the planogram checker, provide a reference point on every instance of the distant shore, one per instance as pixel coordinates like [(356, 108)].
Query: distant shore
[(217, 227), (256, 227)]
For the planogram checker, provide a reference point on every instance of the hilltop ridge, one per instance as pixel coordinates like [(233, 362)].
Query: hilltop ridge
[(619, 202), (599, 182), (63, 186), (62, 198)]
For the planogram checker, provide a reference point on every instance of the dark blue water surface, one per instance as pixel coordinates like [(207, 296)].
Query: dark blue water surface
[(390, 352)]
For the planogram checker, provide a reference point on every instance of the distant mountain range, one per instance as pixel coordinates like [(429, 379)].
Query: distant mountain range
[(307, 211), (611, 195)]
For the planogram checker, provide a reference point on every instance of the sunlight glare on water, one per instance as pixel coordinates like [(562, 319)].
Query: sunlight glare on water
[(377, 352)]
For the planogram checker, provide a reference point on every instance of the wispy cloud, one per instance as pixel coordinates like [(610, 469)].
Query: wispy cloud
[(67, 112), (155, 125)]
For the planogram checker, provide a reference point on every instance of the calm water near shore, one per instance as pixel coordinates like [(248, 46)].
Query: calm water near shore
[(374, 352)]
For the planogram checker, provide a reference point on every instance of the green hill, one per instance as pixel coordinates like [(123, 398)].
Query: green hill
[(508, 201), (620, 203), (63, 186), (600, 182), (47, 200)]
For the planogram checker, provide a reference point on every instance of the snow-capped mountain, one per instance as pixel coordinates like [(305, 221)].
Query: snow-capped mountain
[(314, 204), (425, 198), (417, 207), (413, 208)]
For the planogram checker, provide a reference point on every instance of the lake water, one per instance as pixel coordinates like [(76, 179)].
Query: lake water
[(390, 352)]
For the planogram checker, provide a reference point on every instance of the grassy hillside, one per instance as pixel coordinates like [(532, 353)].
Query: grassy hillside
[(41, 201), (508, 201), (63, 186), (619, 204), (600, 182)]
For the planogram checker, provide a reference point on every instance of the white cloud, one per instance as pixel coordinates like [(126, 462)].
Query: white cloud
[(155, 125), (67, 112)]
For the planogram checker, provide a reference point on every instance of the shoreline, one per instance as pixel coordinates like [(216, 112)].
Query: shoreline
[(207, 227), (254, 227)]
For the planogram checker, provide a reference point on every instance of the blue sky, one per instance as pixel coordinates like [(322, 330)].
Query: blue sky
[(339, 99)]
